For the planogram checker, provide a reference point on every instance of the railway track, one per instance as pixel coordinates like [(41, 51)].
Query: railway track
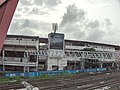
[(73, 82), (100, 86), (83, 85), (8, 86), (65, 83), (78, 82)]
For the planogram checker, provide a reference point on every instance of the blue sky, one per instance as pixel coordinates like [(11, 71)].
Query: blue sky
[(90, 20)]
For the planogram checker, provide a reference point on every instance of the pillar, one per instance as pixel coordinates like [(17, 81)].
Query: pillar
[(60, 68), (82, 63), (49, 67), (49, 64), (101, 64), (37, 62), (113, 64), (3, 60)]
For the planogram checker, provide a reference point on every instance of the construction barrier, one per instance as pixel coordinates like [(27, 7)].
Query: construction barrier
[(29, 74)]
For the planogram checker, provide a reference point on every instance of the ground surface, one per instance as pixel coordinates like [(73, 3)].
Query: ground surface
[(93, 81)]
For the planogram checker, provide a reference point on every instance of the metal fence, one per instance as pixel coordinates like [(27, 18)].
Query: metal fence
[(29, 74)]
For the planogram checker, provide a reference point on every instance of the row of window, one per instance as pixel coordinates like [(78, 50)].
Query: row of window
[(20, 39)]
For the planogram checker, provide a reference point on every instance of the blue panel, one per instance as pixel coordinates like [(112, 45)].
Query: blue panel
[(28, 74)]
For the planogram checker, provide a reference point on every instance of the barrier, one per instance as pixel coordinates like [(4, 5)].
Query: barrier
[(1, 69), (29, 74)]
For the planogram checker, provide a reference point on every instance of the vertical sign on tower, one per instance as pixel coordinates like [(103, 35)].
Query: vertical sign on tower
[(56, 50), (56, 42)]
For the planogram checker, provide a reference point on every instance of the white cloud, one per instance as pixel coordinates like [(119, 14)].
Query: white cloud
[(96, 20)]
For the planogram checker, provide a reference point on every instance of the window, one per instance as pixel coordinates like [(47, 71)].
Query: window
[(33, 40)]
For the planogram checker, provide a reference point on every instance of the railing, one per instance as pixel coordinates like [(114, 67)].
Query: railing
[(18, 63), (13, 59), (20, 42), (71, 55), (91, 55), (107, 56)]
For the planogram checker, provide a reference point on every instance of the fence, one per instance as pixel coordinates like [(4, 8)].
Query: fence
[(29, 74)]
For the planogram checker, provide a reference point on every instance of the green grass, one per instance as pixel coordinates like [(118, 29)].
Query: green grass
[(44, 76), (10, 79)]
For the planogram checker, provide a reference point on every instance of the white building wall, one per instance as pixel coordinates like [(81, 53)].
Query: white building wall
[(61, 63), (21, 42), (51, 61), (74, 47), (98, 48)]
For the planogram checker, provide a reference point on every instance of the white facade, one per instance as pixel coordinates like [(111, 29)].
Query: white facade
[(98, 48), (18, 44)]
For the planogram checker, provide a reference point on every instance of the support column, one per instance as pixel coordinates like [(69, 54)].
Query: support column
[(74, 64), (118, 66), (101, 64), (113, 64), (49, 65), (60, 68), (28, 68), (82, 63), (58, 64), (37, 62), (24, 69), (3, 60)]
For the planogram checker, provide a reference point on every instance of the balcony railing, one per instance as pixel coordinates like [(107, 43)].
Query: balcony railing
[(11, 63)]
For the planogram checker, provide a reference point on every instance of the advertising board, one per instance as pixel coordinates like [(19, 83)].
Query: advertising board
[(56, 41)]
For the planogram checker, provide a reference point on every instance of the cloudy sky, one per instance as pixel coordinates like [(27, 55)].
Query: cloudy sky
[(89, 20)]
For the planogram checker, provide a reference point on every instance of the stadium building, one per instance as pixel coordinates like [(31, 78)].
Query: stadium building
[(32, 53)]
